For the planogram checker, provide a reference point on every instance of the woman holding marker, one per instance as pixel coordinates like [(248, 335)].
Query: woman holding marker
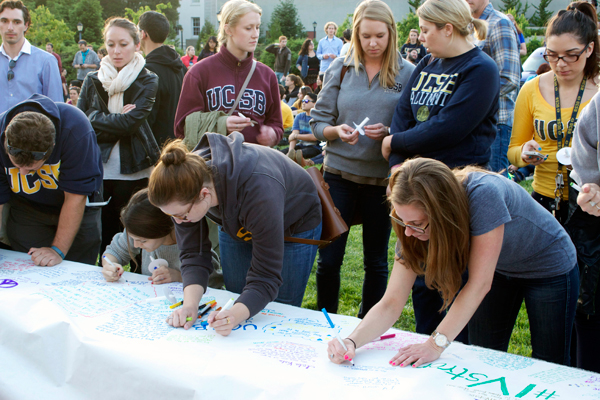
[(366, 83), (258, 197), (147, 231), (210, 90), (541, 128), (450, 221)]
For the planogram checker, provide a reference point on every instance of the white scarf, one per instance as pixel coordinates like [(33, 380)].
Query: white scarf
[(117, 82)]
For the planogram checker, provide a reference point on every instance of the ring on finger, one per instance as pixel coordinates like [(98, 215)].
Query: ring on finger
[(331, 356), (593, 203), (228, 322)]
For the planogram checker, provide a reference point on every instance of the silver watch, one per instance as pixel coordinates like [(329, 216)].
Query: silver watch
[(440, 340)]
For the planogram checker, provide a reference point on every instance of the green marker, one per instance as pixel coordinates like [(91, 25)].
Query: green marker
[(188, 318)]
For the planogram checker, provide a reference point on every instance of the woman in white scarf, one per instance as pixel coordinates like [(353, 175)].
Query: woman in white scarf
[(118, 99)]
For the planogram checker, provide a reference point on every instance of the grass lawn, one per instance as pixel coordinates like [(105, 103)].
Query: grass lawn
[(351, 291)]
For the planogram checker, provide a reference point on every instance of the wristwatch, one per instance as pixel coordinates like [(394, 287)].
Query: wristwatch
[(440, 340)]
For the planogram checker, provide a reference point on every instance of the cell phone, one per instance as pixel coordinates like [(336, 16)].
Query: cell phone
[(534, 153), (81, 65)]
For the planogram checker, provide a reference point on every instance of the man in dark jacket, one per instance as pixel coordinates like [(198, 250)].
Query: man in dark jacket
[(164, 62), (49, 166), (283, 58)]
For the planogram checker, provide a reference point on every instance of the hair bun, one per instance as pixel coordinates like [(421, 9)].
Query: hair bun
[(174, 153)]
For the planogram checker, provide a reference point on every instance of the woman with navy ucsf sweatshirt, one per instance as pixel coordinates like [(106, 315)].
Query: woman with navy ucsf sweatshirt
[(450, 112)]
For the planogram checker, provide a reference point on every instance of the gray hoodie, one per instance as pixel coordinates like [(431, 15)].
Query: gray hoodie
[(263, 196), (351, 103), (585, 156)]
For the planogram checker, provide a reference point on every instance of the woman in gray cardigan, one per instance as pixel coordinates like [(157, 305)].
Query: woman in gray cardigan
[(366, 84)]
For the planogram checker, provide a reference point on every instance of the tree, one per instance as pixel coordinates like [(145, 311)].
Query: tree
[(413, 5), (208, 30), (522, 21), (347, 24), (113, 8), (542, 14), (134, 16), (515, 5), (171, 13), (46, 28), (411, 21), (286, 15), (89, 13)]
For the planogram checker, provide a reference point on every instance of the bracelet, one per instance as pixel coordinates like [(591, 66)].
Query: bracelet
[(353, 342), (57, 250)]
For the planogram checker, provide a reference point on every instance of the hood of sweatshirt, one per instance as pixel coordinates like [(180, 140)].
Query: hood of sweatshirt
[(36, 103), (164, 55)]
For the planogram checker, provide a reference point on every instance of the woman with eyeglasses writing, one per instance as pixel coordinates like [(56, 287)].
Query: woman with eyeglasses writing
[(548, 106), (450, 221), (258, 197)]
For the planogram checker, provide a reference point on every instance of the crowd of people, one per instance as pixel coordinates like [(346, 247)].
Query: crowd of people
[(166, 157)]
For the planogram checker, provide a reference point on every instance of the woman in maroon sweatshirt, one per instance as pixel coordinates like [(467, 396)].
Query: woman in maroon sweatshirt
[(214, 83)]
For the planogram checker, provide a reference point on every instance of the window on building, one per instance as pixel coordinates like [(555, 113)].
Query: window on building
[(196, 26)]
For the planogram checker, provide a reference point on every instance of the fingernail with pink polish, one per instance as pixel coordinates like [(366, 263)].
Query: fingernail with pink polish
[(345, 357), (393, 363), (402, 365), (414, 366)]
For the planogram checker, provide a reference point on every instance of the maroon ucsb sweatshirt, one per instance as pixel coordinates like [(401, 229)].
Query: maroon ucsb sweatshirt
[(214, 83)]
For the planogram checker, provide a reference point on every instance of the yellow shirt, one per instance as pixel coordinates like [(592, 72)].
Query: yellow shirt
[(536, 119), (288, 118)]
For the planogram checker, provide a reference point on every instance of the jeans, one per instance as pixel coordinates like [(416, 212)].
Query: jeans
[(427, 304), (370, 203), (298, 260), (587, 328), (499, 160), (280, 78), (550, 306)]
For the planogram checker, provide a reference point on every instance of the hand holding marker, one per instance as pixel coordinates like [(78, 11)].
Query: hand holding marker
[(337, 335), (117, 267), (226, 307)]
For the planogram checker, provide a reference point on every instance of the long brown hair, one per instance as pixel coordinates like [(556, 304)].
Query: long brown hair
[(304, 49), (432, 186), (178, 176)]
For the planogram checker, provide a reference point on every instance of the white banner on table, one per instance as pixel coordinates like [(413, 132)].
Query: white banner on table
[(66, 333)]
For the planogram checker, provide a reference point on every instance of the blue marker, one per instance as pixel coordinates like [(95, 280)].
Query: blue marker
[(337, 335)]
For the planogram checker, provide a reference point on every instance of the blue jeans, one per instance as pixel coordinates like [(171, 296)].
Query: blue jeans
[(550, 306), (369, 202), (280, 78), (298, 260), (427, 304), (499, 160)]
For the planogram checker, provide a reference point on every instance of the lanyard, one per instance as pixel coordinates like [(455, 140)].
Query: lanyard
[(571, 123), (559, 179)]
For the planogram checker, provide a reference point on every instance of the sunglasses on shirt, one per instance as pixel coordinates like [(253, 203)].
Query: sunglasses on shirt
[(11, 73)]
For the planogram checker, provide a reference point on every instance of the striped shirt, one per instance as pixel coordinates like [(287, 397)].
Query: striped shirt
[(502, 44)]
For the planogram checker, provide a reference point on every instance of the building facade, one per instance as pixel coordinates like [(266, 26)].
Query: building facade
[(194, 13)]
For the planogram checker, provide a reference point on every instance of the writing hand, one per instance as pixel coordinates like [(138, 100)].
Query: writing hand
[(335, 349)]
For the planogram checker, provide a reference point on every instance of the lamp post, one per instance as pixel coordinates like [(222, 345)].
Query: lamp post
[(79, 29), (180, 29), (315, 30)]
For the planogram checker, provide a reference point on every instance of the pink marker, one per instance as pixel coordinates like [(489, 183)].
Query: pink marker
[(393, 335)]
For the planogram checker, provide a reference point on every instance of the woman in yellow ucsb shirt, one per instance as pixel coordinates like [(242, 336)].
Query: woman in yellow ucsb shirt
[(572, 52)]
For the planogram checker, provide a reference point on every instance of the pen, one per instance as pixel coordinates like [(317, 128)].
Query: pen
[(206, 309), (111, 264), (337, 335), (201, 306)]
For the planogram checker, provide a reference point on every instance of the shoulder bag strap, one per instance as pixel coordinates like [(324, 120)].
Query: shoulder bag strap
[(239, 97)]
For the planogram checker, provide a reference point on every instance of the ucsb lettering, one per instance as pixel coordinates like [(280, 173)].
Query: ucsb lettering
[(224, 97), (432, 89), (45, 177), (547, 130)]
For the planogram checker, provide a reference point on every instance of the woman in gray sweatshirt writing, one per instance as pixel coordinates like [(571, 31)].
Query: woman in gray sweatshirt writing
[(258, 197), (365, 84)]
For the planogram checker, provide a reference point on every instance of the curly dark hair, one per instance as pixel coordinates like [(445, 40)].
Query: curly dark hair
[(17, 5)]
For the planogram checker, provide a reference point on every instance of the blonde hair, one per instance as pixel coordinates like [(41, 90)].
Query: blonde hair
[(376, 10), (433, 187), (231, 13), (330, 23), (454, 12), (189, 48)]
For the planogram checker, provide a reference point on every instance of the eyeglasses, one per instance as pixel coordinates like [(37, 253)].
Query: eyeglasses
[(307, 101), (11, 73), (183, 217), (36, 155), (569, 58), (414, 228)]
